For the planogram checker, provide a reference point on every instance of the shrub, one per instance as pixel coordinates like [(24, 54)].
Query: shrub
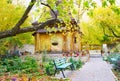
[(116, 50), (49, 68), (76, 63), (17, 65), (115, 60), (30, 65)]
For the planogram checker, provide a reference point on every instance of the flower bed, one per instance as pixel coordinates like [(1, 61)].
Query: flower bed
[(24, 77)]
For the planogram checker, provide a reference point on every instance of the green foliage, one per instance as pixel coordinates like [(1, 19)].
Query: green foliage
[(9, 17), (49, 68), (44, 56), (103, 21), (19, 40), (112, 2), (116, 9), (92, 33), (86, 4), (107, 21), (76, 63), (104, 3), (114, 59), (9, 1), (2, 69), (105, 39), (93, 4), (90, 13), (30, 65), (17, 65), (116, 50)]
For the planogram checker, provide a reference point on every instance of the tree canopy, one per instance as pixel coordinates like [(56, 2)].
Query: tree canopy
[(103, 24)]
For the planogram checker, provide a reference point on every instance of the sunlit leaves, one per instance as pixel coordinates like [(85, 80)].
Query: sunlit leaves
[(92, 34), (90, 13), (106, 3), (116, 9), (9, 1), (105, 39), (9, 15), (74, 11), (106, 21), (112, 2), (86, 4), (106, 15), (78, 2), (93, 4), (89, 4)]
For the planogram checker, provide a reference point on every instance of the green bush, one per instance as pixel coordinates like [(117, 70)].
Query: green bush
[(76, 63), (30, 65), (116, 50), (49, 68), (18, 65), (12, 64), (114, 59)]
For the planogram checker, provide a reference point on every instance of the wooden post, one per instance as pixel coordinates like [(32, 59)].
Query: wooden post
[(37, 42)]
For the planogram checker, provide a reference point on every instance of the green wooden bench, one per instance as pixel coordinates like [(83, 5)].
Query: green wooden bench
[(61, 64)]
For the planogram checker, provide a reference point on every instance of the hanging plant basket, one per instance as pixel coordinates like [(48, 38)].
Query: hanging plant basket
[(55, 43)]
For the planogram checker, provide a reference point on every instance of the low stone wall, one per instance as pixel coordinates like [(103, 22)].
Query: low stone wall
[(39, 56), (95, 51), (28, 47)]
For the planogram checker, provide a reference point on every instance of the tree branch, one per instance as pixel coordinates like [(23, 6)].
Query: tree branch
[(113, 32), (23, 18), (9, 33), (50, 9), (110, 29)]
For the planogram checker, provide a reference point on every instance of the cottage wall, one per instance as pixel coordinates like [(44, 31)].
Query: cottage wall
[(66, 43), (42, 42), (77, 42), (57, 37)]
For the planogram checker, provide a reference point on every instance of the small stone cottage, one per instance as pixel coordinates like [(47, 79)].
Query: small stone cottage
[(61, 40), (57, 42)]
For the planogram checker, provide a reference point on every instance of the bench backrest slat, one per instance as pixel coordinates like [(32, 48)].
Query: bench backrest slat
[(60, 61)]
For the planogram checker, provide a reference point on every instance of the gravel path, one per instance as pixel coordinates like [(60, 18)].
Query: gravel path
[(94, 70)]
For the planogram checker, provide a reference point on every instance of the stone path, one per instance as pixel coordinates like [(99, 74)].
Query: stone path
[(94, 70)]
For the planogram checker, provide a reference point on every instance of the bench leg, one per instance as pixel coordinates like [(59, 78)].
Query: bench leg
[(71, 66), (55, 72), (63, 73)]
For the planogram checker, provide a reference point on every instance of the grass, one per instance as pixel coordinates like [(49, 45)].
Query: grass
[(117, 74)]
